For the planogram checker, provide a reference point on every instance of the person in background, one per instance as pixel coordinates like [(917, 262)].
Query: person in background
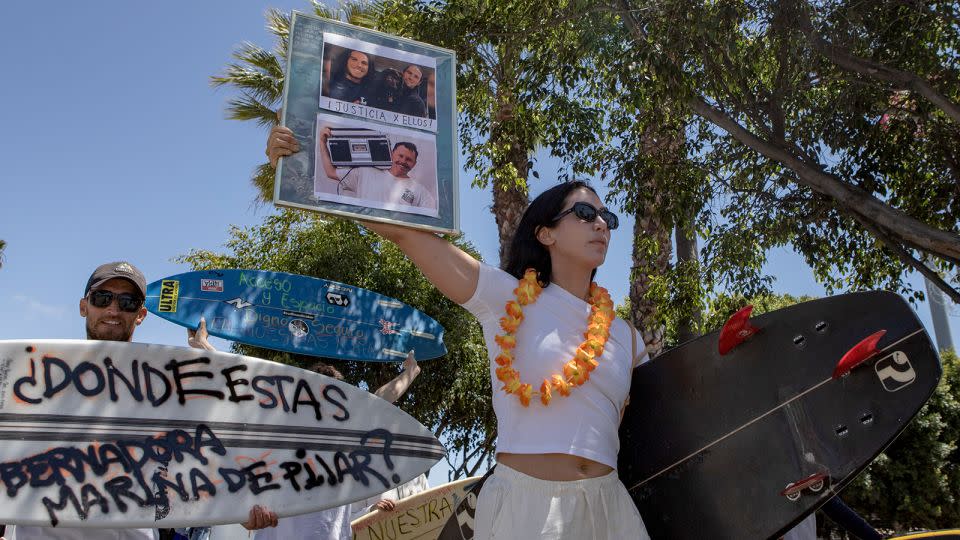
[(334, 523)]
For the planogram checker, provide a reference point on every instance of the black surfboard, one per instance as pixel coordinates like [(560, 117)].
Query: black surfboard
[(747, 443), (460, 525)]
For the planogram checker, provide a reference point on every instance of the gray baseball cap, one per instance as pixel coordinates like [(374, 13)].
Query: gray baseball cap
[(117, 269)]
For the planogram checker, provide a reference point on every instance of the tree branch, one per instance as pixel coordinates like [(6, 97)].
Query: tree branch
[(486, 452), (842, 57), (908, 259), (930, 239)]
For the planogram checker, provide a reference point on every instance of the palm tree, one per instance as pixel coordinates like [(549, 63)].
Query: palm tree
[(258, 74)]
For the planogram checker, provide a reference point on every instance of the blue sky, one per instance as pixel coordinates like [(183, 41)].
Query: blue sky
[(115, 146)]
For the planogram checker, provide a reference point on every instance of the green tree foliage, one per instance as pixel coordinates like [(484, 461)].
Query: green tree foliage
[(830, 125), (3, 246), (452, 393), (915, 482), (719, 309)]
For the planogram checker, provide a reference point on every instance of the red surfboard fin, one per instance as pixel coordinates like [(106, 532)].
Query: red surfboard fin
[(736, 330), (858, 354)]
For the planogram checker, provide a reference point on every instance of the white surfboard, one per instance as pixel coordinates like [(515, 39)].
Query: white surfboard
[(109, 434)]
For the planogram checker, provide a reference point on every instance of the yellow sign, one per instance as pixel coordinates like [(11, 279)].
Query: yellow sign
[(169, 291)]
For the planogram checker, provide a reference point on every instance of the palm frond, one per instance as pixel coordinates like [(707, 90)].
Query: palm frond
[(363, 14), (261, 59), (278, 24), (322, 10), (263, 180), (359, 14), (247, 107), (251, 82), (258, 72)]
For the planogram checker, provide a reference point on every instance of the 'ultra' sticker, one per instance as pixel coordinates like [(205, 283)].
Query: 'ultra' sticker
[(169, 292)]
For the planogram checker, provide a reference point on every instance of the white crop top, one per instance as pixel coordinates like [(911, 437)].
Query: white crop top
[(586, 422)]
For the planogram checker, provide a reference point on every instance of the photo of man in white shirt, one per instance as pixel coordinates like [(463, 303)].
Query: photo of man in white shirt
[(392, 188)]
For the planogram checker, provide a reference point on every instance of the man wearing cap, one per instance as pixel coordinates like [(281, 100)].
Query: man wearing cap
[(112, 301), (112, 304)]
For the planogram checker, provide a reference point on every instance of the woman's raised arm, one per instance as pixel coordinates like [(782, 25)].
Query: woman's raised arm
[(451, 270)]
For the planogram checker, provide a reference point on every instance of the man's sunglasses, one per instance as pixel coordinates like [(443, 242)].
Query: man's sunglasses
[(126, 301), (587, 212)]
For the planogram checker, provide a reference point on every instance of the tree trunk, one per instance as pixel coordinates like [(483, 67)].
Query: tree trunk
[(652, 246), (643, 312), (510, 200), (688, 254), (509, 204)]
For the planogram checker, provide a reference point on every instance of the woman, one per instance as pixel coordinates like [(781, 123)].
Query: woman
[(558, 395), (350, 79)]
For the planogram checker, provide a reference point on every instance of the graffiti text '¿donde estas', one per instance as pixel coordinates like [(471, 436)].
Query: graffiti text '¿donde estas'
[(135, 487), (181, 378)]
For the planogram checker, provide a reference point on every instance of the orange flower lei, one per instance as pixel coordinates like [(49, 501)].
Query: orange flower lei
[(576, 371)]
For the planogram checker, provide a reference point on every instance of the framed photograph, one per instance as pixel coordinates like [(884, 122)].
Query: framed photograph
[(375, 116)]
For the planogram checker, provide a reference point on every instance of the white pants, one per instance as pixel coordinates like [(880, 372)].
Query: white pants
[(515, 505)]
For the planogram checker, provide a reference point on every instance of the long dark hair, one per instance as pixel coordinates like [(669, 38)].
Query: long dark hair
[(340, 66), (525, 250)]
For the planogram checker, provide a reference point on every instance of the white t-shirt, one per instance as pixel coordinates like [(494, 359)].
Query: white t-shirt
[(26, 532), (330, 524), (586, 422), (377, 185), (805, 530)]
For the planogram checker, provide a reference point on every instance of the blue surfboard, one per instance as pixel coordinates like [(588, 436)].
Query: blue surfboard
[(297, 314)]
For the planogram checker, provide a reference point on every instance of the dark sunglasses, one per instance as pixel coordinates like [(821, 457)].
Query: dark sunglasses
[(126, 301), (587, 212)]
